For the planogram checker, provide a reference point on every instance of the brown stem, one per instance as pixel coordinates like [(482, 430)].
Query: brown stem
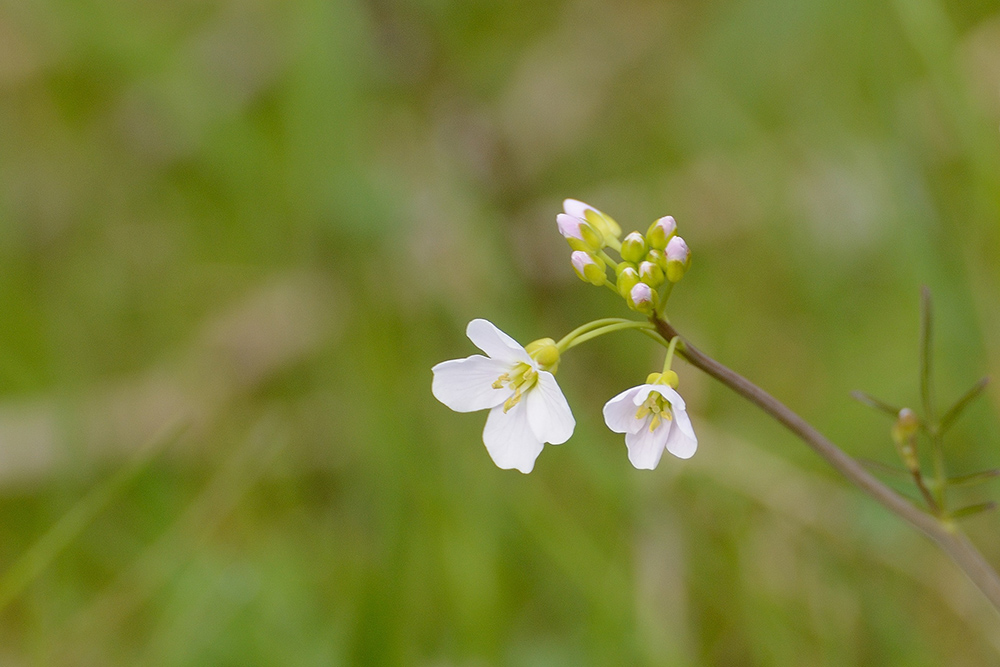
[(946, 536)]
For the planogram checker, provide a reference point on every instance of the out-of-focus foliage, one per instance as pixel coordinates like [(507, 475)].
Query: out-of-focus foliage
[(235, 236)]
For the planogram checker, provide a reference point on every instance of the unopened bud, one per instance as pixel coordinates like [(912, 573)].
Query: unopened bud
[(579, 233), (590, 268), (545, 352), (661, 231), (642, 298), (903, 433), (651, 274), (906, 426), (633, 248), (627, 279), (657, 257), (601, 221), (678, 259), (625, 265)]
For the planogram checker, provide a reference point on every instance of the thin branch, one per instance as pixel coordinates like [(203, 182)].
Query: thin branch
[(946, 536)]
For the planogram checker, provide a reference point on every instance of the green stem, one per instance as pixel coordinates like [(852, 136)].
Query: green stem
[(668, 362), (667, 289), (607, 258), (627, 324), (563, 343)]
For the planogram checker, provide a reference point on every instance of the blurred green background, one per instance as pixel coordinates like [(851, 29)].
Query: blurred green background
[(235, 237)]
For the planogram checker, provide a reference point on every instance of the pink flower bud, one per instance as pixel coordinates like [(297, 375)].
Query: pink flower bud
[(677, 250)]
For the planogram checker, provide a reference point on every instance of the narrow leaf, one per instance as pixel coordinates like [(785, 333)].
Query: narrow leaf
[(972, 510), (955, 411), (926, 343), (875, 403), (973, 478)]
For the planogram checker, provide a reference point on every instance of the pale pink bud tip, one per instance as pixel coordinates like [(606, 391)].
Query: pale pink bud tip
[(580, 260), (577, 208), (667, 224), (569, 226), (677, 250), (641, 293)]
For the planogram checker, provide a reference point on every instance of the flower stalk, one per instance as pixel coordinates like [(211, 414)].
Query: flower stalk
[(945, 533)]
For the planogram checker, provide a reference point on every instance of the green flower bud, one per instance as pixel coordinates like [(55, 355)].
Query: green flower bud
[(625, 265), (545, 352), (589, 267), (906, 426), (642, 298), (633, 248), (602, 222), (651, 274), (661, 231), (657, 257), (579, 234), (678, 259), (627, 279)]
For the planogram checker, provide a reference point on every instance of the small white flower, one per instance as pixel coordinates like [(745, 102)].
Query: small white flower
[(527, 408), (653, 417)]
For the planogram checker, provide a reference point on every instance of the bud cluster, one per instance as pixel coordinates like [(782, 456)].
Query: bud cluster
[(650, 263)]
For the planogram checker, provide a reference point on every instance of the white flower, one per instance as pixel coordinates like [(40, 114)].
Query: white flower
[(527, 408), (652, 417)]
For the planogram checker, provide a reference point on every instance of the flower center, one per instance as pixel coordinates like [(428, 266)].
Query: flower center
[(658, 407), (521, 378)]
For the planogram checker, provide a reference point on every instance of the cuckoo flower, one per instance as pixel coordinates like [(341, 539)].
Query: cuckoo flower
[(653, 418), (527, 408)]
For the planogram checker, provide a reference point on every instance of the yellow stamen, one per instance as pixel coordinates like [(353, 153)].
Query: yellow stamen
[(657, 406), (521, 378)]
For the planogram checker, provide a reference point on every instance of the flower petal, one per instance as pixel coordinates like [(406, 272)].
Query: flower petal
[(645, 448), (619, 413), (466, 385), (509, 439), (569, 226), (549, 415), (577, 208), (682, 441), (495, 343)]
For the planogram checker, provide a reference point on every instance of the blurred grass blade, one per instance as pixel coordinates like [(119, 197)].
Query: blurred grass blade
[(973, 478), (926, 342), (972, 510), (875, 403), (879, 467), (955, 411), (40, 555)]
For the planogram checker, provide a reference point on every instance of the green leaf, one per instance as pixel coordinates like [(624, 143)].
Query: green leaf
[(973, 478), (955, 411), (971, 510), (876, 403)]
